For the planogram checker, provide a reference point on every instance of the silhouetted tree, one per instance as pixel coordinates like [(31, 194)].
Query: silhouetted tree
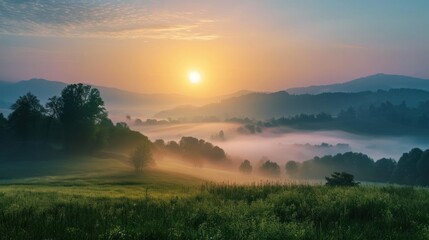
[(173, 146), (406, 169), (221, 135), (217, 153), (159, 143), (138, 122), (54, 106), (80, 108), (358, 164), (26, 116), (198, 148), (189, 146), (142, 156), (122, 125), (269, 168), (342, 179), (246, 167), (292, 168)]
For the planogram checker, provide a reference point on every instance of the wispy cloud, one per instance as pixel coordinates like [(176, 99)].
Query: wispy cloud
[(112, 19)]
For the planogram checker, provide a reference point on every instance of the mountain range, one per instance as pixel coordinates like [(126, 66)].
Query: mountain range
[(283, 104), (331, 99), (113, 98), (313, 99), (370, 83)]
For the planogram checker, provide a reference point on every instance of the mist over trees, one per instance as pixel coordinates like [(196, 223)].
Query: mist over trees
[(193, 149), (142, 156), (291, 168), (280, 104), (269, 168), (246, 167), (384, 118), (411, 169), (77, 122)]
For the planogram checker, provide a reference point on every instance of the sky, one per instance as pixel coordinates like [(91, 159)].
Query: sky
[(271, 45)]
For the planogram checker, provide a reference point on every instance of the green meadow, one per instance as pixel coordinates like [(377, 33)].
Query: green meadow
[(107, 200)]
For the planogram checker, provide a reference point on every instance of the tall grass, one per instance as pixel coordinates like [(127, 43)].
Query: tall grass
[(221, 211)]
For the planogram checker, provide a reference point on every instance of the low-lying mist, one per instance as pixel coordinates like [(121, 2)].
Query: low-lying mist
[(207, 171), (282, 145)]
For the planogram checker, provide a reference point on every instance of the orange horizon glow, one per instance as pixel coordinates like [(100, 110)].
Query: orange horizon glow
[(240, 45)]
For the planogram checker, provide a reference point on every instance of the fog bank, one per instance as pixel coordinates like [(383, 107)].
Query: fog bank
[(282, 145)]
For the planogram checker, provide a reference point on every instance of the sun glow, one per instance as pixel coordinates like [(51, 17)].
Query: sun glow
[(194, 77)]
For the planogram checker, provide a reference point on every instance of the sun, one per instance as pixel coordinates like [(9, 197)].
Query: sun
[(194, 77)]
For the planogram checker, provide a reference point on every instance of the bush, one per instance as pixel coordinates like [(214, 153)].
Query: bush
[(341, 179)]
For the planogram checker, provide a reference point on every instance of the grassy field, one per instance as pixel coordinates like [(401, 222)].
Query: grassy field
[(112, 202)]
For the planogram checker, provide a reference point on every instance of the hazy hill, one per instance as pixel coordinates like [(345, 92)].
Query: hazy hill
[(267, 105), (369, 83), (44, 89)]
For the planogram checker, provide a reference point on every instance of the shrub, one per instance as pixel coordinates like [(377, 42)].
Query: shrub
[(341, 179)]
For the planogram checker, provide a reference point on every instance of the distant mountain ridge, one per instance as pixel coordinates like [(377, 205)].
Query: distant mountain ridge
[(44, 89), (283, 104), (242, 103), (370, 83)]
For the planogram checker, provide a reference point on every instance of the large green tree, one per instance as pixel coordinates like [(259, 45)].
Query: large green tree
[(26, 116), (79, 109)]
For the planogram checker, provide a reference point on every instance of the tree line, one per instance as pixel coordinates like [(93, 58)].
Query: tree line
[(76, 121), (384, 118), (192, 149), (412, 168)]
